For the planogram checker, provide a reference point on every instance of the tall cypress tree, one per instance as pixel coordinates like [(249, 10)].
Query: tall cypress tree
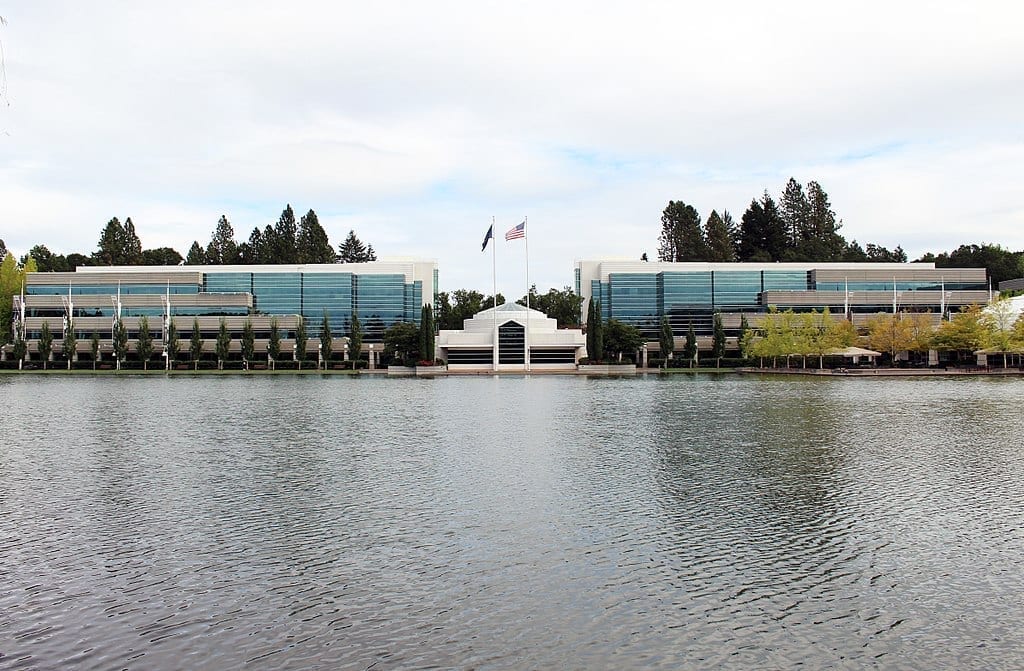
[(355, 339), (690, 346), (718, 339), (325, 339), (666, 341), (195, 346), (144, 343), (45, 343), (223, 344)]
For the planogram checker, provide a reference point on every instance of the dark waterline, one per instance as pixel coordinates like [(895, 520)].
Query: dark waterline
[(533, 522)]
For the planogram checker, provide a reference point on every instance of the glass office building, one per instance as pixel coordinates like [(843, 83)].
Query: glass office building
[(381, 293), (640, 293)]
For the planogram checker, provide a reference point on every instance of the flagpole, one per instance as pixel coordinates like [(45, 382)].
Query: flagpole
[(494, 296), (526, 340)]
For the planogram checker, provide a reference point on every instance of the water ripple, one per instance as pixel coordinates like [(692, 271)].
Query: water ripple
[(511, 523)]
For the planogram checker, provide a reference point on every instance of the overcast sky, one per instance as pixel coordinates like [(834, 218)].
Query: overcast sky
[(416, 123)]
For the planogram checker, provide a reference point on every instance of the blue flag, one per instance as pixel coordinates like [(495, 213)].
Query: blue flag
[(490, 234)]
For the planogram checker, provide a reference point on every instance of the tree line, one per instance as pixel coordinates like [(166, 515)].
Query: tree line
[(800, 226), (286, 242)]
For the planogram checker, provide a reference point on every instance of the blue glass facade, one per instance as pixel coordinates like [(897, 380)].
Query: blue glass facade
[(693, 296)]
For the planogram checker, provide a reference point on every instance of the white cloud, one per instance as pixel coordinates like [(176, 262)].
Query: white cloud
[(414, 124)]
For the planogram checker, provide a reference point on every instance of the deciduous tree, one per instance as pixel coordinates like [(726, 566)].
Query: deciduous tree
[(45, 343)]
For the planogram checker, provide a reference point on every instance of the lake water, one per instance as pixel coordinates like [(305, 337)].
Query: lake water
[(516, 522)]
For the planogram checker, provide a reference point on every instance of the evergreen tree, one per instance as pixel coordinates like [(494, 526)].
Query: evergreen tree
[(666, 341), (111, 244), (131, 245), (354, 251), (326, 340), (751, 247), (823, 224), (20, 349), (70, 344), (195, 346), (248, 343), (3, 249), (300, 341), (718, 339), (681, 238), (774, 228), (45, 343), (283, 249), (274, 344), (119, 342), (196, 255), (144, 344), (173, 344), (355, 338), (744, 334), (223, 344), (222, 250), (94, 348), (690, 346), (719, 239), (762, 232), (598, 332), (796, 215), (313, 245), (253, 252), (46, 261), (427, 333)]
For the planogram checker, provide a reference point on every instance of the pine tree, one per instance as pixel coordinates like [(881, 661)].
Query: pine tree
[(222, 250), (822, 222), (681, 238), (196, 255), (3, 249), (354, 251), (284, 249), (131, 245), (313, 245), (144, 343), (775, 239), (796, 214), (254, 249), (110, 250), (666, 341), (719, 239)]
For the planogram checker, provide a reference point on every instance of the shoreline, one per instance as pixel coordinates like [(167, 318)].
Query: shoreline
[(633, 372)]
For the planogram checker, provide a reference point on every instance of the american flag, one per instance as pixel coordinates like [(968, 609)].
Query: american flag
[(516, 232)]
